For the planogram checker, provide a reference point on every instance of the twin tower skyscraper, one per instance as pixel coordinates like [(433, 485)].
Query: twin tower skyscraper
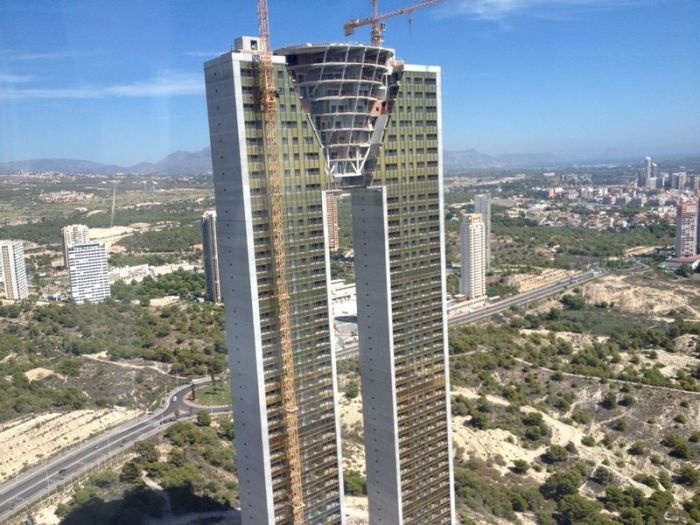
[(351, 118)]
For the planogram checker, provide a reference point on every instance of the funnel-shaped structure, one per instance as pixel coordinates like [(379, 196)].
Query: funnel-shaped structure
[(348, 90)]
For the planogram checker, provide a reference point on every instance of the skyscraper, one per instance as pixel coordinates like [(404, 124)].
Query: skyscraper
[(332, 218), (73, 234), (686, 228), (646, 172), (210, 256), (88, 272), (350, 118), (13, 270), (482, 205), (472, 282)]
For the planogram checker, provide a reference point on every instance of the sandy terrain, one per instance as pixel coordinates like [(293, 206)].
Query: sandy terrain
[(635, 299), (351, 423), (578, 341), (40, 373), (27, 441)]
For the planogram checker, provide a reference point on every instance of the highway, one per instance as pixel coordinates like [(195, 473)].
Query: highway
[(20, 492), (501, 306)]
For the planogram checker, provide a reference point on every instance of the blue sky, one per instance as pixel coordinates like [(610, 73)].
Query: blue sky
[(121, 82)]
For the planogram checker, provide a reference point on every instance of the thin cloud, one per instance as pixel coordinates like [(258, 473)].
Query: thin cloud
[(13, 54), (7, 78), (500, 9), (167, 84)]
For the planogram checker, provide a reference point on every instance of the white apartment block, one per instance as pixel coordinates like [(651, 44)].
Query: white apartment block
[(73, 234), (13, 270), (472, 283), (88, 272)]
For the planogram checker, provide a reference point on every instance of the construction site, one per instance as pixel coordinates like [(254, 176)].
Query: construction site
[(288, 128)]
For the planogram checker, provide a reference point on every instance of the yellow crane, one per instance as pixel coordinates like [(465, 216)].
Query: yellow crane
[(290, 410), (376, 20)]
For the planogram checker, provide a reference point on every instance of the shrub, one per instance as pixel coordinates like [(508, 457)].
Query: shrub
[(561, 484), (352, 390), (520, 466), (603, 476), (355, 483), (609, 401), (555, 454), (688, 475), (637, 449), (203, 418)]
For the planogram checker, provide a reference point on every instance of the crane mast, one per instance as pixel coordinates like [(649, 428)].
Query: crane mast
[(290, 411), (378, 27)]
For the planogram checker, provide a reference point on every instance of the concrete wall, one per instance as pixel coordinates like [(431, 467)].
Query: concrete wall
[(370, 242)]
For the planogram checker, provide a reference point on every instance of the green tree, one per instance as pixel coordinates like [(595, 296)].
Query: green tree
[(203, 418), (352, 390), (355, 483), (131, 473)]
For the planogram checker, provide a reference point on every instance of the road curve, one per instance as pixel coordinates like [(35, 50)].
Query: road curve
[(20, 492)]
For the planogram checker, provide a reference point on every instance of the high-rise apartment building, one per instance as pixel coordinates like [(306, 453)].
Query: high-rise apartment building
[(482, 205), (686, 228), (472, 283), (332, 219), (210, 256), (88, 272), (13, 270), (351, 118), (73, 234)]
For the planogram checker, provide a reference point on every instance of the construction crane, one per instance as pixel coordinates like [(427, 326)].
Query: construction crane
[(290, 410), (378, 27)]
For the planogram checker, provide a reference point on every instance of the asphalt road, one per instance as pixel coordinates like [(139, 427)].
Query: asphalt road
[(505, 304), (22, 491)]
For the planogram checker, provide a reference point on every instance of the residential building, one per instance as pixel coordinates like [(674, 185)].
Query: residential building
[(88, 272), (472, 282), (210, 256), (686, 228), (73, 234), (332, 218), (13, 270), (337, 103), (482, 205)]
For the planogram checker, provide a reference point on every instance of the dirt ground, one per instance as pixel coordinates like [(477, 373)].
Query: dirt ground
[(645, 300)]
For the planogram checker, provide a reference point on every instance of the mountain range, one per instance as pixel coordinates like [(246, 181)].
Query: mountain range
[(199, 162), (178, 163)]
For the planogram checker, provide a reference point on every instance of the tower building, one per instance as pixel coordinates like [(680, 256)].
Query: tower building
[(482, 205), (472, 282), (210, 256), (73, 234), (13, 270), (332, 218), (686, 228), (352, 118), (88, 272)]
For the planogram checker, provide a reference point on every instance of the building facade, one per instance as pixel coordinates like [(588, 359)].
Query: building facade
[(210, 256), (351, 118), (482, 205), (13, 270), (88, 272), (686, 228), (73, 234), (332, 219), (472, 282)]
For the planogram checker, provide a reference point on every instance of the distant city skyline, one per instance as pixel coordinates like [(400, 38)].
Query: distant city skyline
[(577, 79)]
